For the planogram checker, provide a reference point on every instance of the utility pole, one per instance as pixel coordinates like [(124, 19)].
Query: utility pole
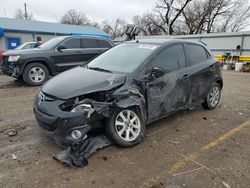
[(4, 12), (25, 12)]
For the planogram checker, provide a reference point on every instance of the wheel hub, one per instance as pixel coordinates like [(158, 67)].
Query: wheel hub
[(127, 125), (37, 74), (214, 96)]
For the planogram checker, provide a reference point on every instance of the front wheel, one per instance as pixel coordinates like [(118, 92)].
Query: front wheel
[(35, 74), (213, 97), (125, 127)]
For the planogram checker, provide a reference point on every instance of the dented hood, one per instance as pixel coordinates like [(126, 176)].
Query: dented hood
[(79, 81)]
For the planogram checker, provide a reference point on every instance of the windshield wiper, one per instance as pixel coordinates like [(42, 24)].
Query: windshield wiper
[(99, 69)]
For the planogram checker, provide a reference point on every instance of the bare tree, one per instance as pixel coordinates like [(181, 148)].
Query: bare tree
[(237, 18), (168, 11), (201, 16), (216, 9), (74, 18), (194, 17), (148, 24), (114, 28), (20, 15), (94, 24), (216, 16)]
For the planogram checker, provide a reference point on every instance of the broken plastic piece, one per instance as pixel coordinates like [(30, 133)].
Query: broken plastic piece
[(12, 132), (77, 155), (14, 157)]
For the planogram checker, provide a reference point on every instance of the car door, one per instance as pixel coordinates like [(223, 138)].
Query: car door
[(168, 92), (199, 70), (68, 57)]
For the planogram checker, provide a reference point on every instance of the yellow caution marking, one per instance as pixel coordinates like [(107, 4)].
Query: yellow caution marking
[(181, 162), (208, 146), (225, 136)]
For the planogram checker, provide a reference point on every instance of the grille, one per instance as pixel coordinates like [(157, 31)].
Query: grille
[(45, 126), (5, 59)]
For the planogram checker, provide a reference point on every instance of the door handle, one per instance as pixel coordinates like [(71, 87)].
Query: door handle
[(185, 77)]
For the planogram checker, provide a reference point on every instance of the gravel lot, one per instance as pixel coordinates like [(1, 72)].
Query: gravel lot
[(197, 148)]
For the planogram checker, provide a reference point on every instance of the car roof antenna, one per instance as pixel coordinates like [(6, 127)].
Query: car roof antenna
[(137, 41)]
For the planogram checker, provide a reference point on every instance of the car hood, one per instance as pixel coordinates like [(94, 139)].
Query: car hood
[(24, 52), (79, 81)]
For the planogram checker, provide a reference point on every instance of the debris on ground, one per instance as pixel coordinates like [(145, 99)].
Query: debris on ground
[(12, 132), (240, 113), (226, 185), (189, 171), (14, 157), (155, 141), (104, 158), (77, 154), (204, 118), (175, 143)]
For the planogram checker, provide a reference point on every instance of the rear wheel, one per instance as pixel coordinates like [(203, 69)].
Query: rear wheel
[(213, 97), (125, 127), (35, 74)]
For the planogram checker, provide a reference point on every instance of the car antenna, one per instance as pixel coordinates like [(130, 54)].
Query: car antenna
[(137, 41)]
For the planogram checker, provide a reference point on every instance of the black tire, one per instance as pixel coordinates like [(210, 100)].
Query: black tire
[(111, 129), (27, 70), (207, 104)]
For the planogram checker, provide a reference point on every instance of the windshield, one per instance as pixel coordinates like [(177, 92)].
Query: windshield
[(123, 58), (52, 43), (22, 46)]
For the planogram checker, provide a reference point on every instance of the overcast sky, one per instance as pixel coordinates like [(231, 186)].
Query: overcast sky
[(98, 10)]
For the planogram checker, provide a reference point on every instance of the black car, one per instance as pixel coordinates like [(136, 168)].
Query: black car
[(35, 66), (126, 88)]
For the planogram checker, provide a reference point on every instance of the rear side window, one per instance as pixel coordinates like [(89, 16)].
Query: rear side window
[(197, 54), (72, 43), (89, 43), (104, 44), (28, 46), (170, 59)]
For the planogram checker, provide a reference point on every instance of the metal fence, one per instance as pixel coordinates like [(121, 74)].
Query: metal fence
[(219, 43)]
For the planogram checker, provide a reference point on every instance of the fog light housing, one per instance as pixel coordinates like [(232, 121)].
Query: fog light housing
[(76, 134)]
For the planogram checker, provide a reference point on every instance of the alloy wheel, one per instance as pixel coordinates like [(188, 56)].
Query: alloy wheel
[(127, 125), (37, 74), (214, 96)]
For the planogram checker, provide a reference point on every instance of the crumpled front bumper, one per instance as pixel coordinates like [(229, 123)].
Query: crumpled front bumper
[(58, 124), (10, 69)]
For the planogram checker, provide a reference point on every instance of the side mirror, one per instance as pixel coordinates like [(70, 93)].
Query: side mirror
[(157, 72), (61, 47)]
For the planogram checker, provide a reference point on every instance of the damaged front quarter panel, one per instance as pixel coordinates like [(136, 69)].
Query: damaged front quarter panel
[(131, 96), (123, 97)]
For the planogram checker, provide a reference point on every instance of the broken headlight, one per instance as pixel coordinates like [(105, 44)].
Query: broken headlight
[(87, 108)]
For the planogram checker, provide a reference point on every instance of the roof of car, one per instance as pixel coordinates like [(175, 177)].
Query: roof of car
[(162, 41), (83, 36)]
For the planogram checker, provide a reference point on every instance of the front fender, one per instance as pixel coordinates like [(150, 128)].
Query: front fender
[(132, 101), (33, 60)]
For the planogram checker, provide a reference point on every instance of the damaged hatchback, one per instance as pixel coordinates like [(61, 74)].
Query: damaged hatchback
[(126, 88)]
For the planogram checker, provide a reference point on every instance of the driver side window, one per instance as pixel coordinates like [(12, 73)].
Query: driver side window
[(72, 43), (170, 59)]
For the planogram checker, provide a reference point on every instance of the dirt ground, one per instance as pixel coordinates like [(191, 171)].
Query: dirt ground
[(197, 148)]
